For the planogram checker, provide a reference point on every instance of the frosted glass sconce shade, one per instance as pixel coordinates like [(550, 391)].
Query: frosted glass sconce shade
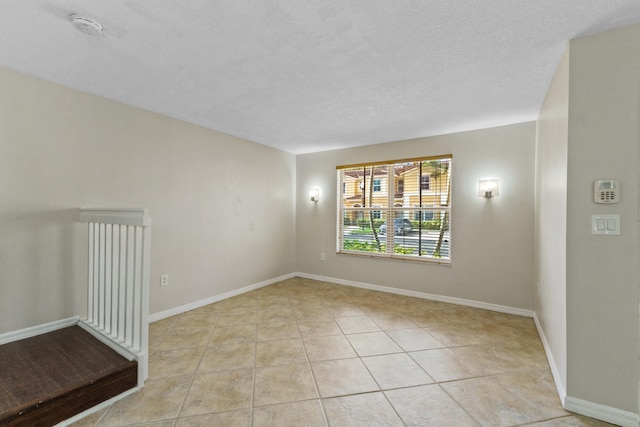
[(314, 194), (488, 187)]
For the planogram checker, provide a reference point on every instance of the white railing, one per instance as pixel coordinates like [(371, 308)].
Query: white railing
[(118, 281)]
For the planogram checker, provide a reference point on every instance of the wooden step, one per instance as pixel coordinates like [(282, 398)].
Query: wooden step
[(51, 377)]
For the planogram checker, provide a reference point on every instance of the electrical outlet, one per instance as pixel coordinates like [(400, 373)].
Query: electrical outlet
[(322, 256), (164, 280)]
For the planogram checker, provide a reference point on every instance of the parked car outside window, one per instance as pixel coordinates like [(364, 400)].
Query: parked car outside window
[(400, 226)]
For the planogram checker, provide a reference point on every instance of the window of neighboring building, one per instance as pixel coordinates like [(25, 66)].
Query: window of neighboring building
[(413, 223), (423, 215), (424, 182)]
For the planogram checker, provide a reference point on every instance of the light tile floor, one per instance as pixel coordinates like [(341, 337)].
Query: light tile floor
[(309, 353)]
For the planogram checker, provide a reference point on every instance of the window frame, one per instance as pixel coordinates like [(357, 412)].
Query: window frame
[(393, 210)]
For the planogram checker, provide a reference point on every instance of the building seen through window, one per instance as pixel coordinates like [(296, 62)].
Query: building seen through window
[(396, 209)]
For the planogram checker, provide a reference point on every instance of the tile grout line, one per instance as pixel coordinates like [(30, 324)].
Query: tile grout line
[(459, 404), (326, 300), (157, 349), (405, 352), (313, 376), (253, 369), (195, 374), (359, 357), (435, 382), (164, 336)]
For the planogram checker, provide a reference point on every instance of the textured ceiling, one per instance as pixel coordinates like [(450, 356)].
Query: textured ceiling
[(310, 75)]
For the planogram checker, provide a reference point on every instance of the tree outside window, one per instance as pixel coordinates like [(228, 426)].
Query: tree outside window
[(411, 223)]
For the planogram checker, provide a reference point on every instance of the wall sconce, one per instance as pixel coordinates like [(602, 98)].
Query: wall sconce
[(314, 194), (488, 187)]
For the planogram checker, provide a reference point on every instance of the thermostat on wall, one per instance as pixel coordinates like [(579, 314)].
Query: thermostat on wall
[(606, 191)]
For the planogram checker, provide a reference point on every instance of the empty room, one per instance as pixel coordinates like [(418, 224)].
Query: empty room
[(307, 213)]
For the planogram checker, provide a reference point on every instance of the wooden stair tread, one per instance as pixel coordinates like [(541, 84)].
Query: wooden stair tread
[(48, 369)]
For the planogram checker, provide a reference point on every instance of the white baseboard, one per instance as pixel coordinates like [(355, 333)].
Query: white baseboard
[(38, 330), (112, 343), (64, 323), (573, 404), (579, 406), (601, 412), (50, 327), (593, 410), (97, 408), (201, 303), (557, 379), (422, 295)]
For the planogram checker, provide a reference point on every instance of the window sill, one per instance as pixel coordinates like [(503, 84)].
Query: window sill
[(417, 260)]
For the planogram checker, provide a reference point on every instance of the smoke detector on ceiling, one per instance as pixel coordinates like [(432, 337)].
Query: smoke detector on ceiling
[(86, 25)]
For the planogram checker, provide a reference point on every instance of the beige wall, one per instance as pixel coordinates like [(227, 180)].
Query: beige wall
[(588, 298), (222, 208), (492, 246), (602, 271), (551, 219), (225, 213)]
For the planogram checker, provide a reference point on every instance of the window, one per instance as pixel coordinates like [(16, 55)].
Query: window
[(424, 182), (412, 223), (424, 215)]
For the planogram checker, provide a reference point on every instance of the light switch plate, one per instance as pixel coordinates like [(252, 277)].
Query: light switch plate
[(605, 224)]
